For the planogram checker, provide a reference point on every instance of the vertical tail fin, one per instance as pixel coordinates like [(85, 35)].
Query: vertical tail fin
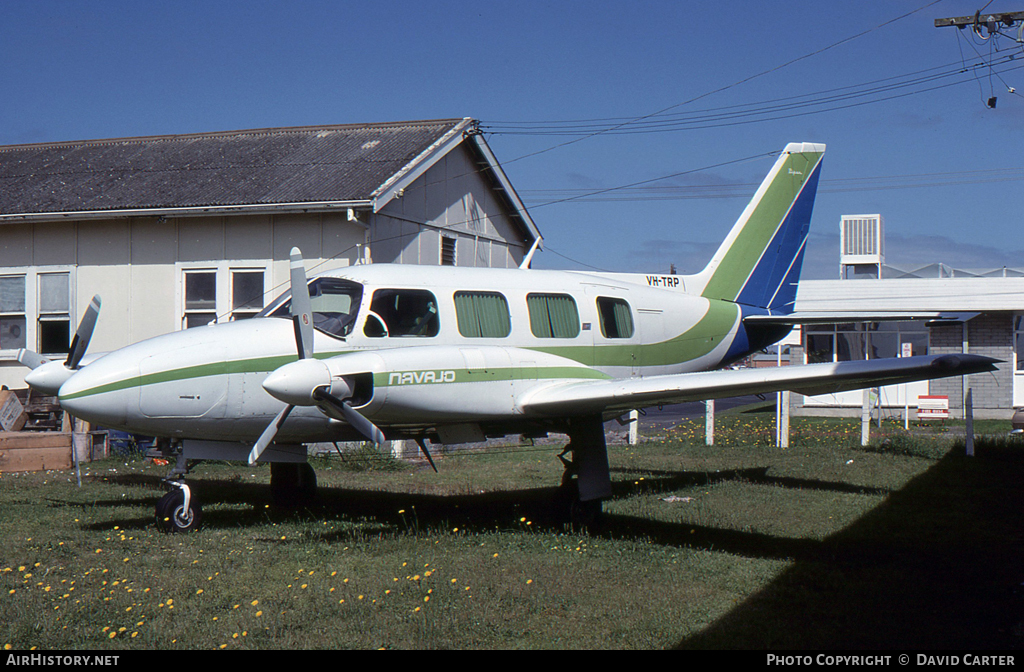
[(759, 262)]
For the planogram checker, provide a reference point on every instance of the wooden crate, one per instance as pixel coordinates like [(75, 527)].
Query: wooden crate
[(34, 451)]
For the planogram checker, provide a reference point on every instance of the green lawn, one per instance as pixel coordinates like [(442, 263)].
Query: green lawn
[(907, 545)]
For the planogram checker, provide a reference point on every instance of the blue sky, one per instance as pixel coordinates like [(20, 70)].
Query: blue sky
[(944, 170)]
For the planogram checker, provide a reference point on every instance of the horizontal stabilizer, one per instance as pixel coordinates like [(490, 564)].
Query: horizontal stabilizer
[(605, 396)]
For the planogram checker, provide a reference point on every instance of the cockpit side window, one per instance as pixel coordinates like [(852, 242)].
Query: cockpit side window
[(402, 312), (334, 301)]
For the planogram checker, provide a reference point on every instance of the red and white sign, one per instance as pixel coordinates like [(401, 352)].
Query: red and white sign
[(932, 407)]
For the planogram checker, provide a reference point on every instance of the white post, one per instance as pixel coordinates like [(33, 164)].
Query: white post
[(634, 427), (709, 422), (865, 418), (784, 420), (969, 417)]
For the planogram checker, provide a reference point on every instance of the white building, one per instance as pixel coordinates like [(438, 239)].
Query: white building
[(177, 231), (984, 310)]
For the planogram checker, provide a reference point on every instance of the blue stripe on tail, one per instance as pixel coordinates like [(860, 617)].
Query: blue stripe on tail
[(772, 283)]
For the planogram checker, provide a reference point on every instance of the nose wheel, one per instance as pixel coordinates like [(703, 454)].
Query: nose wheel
[(178, 510)]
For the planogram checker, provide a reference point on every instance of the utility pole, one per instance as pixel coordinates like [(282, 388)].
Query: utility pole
[(990, 22), (993, 23)]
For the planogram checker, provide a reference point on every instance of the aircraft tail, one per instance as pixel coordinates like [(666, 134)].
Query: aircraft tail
[(759, 262)]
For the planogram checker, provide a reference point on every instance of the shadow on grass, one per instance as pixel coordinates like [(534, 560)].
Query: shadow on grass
[(937, 566)]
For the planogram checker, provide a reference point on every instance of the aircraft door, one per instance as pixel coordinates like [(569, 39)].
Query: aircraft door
[(651, 325), (617, 347)]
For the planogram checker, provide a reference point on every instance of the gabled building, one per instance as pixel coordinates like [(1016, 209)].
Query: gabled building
[(177, 231)]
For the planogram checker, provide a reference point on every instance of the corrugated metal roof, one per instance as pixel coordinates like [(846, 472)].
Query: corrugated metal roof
[(253, 167)]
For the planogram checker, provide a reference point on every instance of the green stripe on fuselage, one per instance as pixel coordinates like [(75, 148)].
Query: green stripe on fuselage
[(699, 340), (435, 376), (256, 365)]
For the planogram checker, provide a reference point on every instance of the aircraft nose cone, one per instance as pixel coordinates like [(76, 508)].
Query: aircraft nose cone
[(84, 396), (294, 383), (49, 377)]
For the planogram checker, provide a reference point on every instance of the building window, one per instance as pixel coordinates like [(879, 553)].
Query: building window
[(200, 298), (616, 318), (246, 293), (447, 251), (54, 325), (820, 344), (12, 311), (553, 315), (402, 312), (482, 315), (857, 341)]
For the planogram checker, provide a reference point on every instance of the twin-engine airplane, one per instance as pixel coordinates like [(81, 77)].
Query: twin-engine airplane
[(454, 355)]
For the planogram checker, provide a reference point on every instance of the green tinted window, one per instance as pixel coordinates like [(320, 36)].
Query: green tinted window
[(553, 316), (482, 315), (616, 319)]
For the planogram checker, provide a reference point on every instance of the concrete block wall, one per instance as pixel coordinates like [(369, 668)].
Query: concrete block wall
[(988, 334)]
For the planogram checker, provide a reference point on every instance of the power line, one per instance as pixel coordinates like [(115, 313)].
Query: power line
[(724, 88), (770, 110)]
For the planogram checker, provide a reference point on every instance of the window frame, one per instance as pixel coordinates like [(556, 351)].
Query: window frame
[(612, 302), (223, 308), (551, 324), (453, 243), (503, 320), (374, 313), (21, 316)]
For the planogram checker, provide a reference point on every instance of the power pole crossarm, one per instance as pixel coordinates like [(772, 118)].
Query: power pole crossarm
[(990, 20)]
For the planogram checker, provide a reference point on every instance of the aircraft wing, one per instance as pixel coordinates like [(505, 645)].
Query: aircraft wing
[(839, 317), (588, 397)]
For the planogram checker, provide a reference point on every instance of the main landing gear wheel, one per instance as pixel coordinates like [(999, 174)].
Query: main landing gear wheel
[(586, 480), (172, 514)]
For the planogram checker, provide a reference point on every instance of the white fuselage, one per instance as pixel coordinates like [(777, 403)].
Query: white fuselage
[(207, 382)]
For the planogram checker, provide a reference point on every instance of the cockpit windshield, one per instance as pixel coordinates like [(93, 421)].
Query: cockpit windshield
[(334, 301)]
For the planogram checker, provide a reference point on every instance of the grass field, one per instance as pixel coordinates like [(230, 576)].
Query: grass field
[(907, 544)]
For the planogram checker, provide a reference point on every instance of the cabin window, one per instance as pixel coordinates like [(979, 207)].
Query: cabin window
[(553, 315), (333, 301), (616, 318), (54, 313), (402, 312), (12, 311), (482, 315)]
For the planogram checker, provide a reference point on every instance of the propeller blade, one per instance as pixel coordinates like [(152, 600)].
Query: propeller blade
[(353, 417), (31, 359), (267, 437), (84, 334), (301, 308)]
